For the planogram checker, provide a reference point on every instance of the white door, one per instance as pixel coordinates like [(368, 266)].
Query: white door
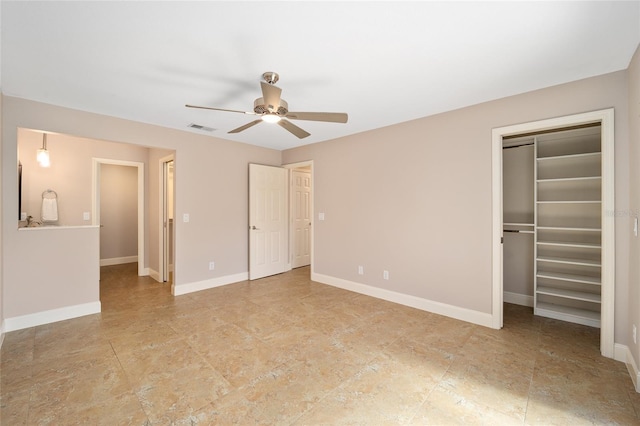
[(268, 245), (301, 212)]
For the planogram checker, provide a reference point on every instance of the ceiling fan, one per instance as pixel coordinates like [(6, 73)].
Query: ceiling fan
[(273, 109)]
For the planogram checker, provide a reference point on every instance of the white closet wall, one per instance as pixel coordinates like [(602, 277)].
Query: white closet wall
[(518, 212)]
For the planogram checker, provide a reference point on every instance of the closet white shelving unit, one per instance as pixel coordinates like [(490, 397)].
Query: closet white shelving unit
[(568, 230)]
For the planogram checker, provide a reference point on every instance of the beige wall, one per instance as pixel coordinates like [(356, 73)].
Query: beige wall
[(415, 198), (118, 211), (70, 174), (634, 210), (212, 187), (58, 268)]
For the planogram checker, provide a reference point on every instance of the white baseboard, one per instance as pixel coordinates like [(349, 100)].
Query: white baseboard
[(178, 290), (2, 330), (463, 314), (518, 299), (53, 315), (623, 353), (153, 274), (118, 260)]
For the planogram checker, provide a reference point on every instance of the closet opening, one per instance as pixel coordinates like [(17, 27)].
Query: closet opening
[(553, 231)]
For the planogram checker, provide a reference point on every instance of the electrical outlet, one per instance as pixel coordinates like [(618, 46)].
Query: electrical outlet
[(360, 270), (185, 218), (86, 216), (212, 266), (23, 216), (635, 334), (385, 275)]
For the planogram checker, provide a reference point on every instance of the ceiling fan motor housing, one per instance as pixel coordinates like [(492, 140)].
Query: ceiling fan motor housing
[(259, 107)]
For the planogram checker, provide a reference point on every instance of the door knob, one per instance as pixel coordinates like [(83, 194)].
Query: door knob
[(253, 228)]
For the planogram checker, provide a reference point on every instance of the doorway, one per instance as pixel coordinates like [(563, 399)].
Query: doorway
[(606, 120), (301, 216), (293, 194), (96, 213), (301, 208), (166, 219)]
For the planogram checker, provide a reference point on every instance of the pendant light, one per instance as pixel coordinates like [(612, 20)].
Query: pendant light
[(43, 155)]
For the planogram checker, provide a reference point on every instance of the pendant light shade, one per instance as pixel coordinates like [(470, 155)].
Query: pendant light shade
[(43, 155)]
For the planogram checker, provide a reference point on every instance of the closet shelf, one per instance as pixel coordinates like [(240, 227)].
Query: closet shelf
[(571, 179), (570, 156), (570, 202), (569, 294), (569, 261), (567, 313), (567, 228), (569, 277), (517, 224), (569, 244)]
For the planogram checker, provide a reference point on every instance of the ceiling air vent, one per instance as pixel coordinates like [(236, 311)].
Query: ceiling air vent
[(200, 127)]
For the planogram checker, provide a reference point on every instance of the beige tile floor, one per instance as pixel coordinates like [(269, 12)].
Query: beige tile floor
[(285, 350)]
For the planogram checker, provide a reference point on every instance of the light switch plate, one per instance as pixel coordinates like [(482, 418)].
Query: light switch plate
[(320, 216)]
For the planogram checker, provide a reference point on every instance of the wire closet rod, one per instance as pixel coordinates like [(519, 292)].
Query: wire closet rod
[(517, 231), (518, 146)]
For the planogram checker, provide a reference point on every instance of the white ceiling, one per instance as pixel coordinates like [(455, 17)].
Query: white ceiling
[(381, 62)]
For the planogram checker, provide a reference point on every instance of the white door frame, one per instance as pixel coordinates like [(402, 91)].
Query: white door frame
[(292, 166), (163, 273), (606, 118), (95, 202)]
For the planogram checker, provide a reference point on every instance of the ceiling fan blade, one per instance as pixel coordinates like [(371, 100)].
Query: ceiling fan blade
[(245, 127), (333, 117), (293, 128), (221, 109), (271, 95)]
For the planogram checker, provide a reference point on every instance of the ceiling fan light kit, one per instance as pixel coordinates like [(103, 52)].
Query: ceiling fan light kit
[(273, 109), (271, 118)]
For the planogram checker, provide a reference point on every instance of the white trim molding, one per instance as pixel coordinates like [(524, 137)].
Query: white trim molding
[(154, 274), (118, 260), (2, 331), (623, 354), (463, 314), (518, 299), (179, 290), (53, 315)]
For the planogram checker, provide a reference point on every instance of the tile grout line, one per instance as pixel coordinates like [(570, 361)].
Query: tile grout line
[(129, 383), (533, 372)]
